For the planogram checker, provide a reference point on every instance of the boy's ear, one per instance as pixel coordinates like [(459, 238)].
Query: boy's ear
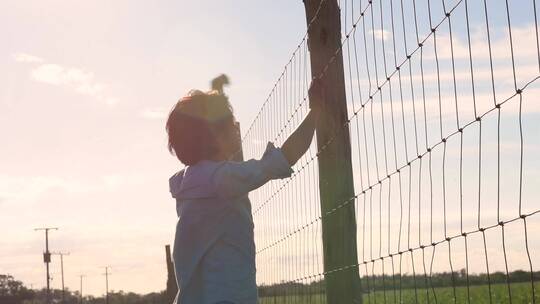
[(219, 82)]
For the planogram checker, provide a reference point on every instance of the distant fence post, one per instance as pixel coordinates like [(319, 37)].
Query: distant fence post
[(335, 168), (172, 288)]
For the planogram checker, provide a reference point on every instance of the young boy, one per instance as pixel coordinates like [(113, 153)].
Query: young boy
[(214, 249)]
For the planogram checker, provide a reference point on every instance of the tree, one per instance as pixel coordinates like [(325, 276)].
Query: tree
[(13, 291)]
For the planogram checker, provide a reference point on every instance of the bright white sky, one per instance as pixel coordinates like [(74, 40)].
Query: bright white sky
[(85, 89), (85, 86)]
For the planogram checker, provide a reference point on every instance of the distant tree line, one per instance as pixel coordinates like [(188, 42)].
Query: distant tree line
[(405, 281), (13, 291)]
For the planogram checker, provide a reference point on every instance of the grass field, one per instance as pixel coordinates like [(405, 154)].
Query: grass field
[(521, 294)]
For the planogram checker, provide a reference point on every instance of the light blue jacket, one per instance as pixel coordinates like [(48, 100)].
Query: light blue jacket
[(214, 249)]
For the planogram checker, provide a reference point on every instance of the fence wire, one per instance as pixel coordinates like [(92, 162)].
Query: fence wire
[(444, 128)]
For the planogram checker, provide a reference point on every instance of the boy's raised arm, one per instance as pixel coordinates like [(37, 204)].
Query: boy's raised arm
[(299, 141)]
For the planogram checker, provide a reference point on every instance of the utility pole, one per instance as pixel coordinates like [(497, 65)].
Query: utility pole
[(62, 254), (47, 258), (33, 292), (106, 274), (335, 166), (80, 290)]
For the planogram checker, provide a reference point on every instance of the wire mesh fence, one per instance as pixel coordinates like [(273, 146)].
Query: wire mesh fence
[(444, 133)]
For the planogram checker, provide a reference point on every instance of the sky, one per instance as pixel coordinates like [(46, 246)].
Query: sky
[(87, 86)]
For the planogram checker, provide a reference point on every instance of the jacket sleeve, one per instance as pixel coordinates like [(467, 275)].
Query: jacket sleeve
[(235, 179)]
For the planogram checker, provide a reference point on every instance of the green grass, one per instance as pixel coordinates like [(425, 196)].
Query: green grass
[(521, 294)]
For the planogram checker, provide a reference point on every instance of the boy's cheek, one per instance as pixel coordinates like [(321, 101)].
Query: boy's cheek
[(238, 135), (236, 145)]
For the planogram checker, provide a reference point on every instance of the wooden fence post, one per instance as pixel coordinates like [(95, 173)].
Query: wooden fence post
[(335, 167), (172, 289)]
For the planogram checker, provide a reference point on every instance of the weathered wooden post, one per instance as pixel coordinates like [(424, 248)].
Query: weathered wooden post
[(335, 167), (172, 288)]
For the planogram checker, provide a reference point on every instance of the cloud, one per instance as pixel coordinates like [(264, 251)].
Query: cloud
[(77, 79), (110, 101), (484, 102), (523, 38), (113, 181), (58, 75), (381, 34), (427, 76), (22, 57), (27, 189), (157, 113)]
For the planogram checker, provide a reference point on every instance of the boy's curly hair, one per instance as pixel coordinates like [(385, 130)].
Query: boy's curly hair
[(197, 120)]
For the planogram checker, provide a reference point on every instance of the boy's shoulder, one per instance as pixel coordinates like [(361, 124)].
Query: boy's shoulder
[(175, 182), (195, 181)]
